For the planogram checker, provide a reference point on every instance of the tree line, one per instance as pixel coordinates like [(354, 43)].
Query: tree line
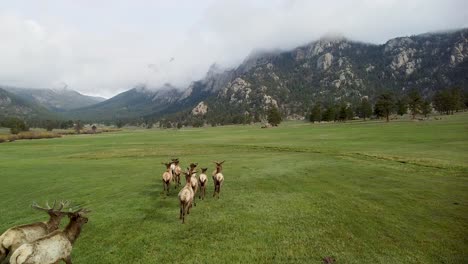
[(386, 104)]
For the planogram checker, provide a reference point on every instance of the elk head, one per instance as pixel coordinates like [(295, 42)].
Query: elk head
[(79, 216), (203, 170), (55, 214), (168, 165), (188, 174), (219, 165)]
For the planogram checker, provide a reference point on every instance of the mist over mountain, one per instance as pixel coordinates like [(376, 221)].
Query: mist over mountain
[(329, 70), (54, 99)]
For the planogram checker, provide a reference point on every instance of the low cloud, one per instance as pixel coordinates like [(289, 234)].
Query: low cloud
[(113, 49)]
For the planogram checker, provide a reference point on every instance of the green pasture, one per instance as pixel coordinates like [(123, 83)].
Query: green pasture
[(360, 192)]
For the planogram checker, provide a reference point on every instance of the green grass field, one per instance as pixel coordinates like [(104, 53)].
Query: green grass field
[(361, 192)]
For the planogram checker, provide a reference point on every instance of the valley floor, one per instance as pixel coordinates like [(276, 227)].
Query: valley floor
[(360, 192)]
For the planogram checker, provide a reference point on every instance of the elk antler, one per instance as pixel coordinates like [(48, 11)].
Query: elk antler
[(38, 207), (79, 211), (61, 206)]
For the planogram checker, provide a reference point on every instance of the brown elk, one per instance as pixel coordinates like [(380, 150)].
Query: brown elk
[(53, 247), (194, 180), (14, 237), (218, 177), (176, 172), (202, 180), (167, 177), (186, 196)]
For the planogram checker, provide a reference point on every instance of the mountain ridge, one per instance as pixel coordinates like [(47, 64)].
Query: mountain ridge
[(327, 71)]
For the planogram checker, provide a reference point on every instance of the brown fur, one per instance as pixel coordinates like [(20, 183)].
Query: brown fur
[(194, 180), (176, 173), (186, 197), (14, 237), (166, 178), (54, 247), (218, 178), (202, 180)]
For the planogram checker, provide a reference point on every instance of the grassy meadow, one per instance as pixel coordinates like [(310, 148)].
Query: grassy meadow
[(360, 192)]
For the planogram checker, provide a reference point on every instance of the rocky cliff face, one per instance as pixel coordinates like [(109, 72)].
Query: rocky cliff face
[(329, 71), (340, 70)]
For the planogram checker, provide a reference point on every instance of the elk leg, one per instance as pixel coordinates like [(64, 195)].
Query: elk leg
[(3, 254), (68, 260), (181, 210)]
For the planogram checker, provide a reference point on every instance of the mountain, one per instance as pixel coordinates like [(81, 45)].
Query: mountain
[(134, 103), (329, 71), (12, 105), (55, 99)]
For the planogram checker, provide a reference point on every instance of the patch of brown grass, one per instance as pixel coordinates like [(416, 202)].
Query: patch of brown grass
[(28, 135)]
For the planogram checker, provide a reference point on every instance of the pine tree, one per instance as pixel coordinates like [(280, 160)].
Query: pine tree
[(426, 108), (365, 109), (274, 116), (342, 113), (316, 114), (385, 106), (414, 103), (402, 106), (329, 114)]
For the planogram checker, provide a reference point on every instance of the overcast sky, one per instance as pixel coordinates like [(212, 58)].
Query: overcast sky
[(108, 46)]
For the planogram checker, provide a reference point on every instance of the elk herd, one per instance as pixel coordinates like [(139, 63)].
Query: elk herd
[(43, 242), (192, 184)]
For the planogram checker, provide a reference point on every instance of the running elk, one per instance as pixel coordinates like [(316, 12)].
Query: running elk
[(202, 180), (218, 177), (186, 196), (167, 177), (176, 172), (54, 247), (18, 235), (194, 180)]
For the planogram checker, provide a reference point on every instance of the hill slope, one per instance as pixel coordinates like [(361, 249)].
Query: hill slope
[(327, 71), (55, 99), (14, 106)]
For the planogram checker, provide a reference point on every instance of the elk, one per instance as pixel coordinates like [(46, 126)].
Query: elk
[(18, 235), (176, 173), (202, 180), (173, 161), (55, 246), (194, 180), (167, 177), (186, 196), (218, 177)]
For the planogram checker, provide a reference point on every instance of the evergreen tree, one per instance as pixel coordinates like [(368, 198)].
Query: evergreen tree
[(402, 106), (342, 113), (316, 114), (385, 106), (329, 114), (15, 125), (448, 101), (456, 99), (426, 108), (274, 116), (441, 102), (365, 109), (349, 113), (414, 103)]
